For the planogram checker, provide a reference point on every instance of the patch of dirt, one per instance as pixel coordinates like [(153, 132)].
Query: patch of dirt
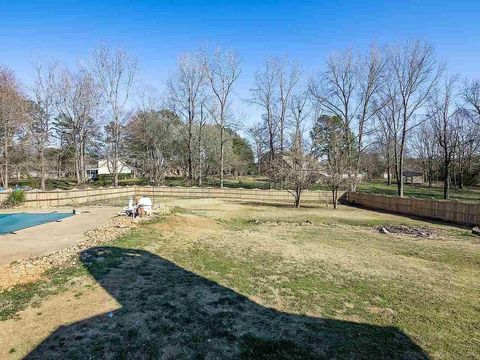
[(384, 312), (187, 224), (279, 222), (408, 230)]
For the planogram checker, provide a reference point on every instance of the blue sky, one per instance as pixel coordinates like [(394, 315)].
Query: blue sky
[(157, 32)]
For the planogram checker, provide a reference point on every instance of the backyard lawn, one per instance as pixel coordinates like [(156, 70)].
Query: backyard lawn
[(221, 279)]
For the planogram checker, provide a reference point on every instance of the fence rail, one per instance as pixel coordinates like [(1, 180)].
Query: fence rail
[(467, 213)]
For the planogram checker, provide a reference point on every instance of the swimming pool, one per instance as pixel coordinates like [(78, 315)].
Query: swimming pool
[(16, 221)]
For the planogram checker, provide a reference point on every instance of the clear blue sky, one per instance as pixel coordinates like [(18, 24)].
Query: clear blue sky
[(157, 32)]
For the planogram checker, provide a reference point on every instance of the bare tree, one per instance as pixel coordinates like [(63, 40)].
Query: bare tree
[(153, 135), (222, 71), (371, 80), (288, 76), (385, 126), (442, 114), (425, 146), (300, 111), (78, 99), (265, 96), (42, 113), (186, 90), (413, 72), (299, 172), (115, 72), (471, 96), (202, 122), (348, 89), (331, 147), (468, 146), (12, 115), (256, 133), (297, 169)]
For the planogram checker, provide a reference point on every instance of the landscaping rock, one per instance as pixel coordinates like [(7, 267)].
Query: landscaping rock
[(384, 231)]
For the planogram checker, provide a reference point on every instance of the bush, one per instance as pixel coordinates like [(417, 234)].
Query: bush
[(15, 198)]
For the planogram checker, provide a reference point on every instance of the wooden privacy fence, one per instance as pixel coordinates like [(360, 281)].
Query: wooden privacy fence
[(467, 213), (37, 198), (446, 210), (228, 193)]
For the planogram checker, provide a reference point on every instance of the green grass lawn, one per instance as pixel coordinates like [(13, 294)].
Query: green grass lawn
[(247, 182), (219, 279), (420, 191)]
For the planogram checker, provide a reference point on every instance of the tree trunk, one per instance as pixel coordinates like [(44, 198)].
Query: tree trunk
[(115, 165), (190, 150), (400, 174), (5, 180), (334, 198), (115, 175), (200, 149), (77, 167), (221, 155), (454, 175), (82, 162), (298, 194), (446, 184), (42, 170)]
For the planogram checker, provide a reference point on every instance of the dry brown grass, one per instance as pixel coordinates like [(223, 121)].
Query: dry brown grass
[(243, 280)]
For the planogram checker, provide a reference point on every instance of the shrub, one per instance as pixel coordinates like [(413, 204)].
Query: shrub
[(15, 198)]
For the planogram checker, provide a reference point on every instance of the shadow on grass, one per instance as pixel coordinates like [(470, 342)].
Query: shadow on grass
[(169, 313)]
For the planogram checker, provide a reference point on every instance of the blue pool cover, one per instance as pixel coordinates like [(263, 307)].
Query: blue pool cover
[(12, 222)]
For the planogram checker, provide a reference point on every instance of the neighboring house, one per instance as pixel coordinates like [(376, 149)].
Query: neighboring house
[(102, 168), (412, 177), (288, 161), (174, 171), (409, 177)]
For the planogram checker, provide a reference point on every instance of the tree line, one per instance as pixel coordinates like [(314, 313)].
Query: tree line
[(391, 103), (67, 118)]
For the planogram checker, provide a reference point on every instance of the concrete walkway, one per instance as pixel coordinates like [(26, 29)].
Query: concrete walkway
[(46, 238)]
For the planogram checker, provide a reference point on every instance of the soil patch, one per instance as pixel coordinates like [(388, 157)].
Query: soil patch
[(408, 230)]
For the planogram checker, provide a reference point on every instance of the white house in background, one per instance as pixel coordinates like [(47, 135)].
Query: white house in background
[(409, 177), (102, 168)]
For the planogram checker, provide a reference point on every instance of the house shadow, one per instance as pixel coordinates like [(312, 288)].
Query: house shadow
[(170, 313)]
